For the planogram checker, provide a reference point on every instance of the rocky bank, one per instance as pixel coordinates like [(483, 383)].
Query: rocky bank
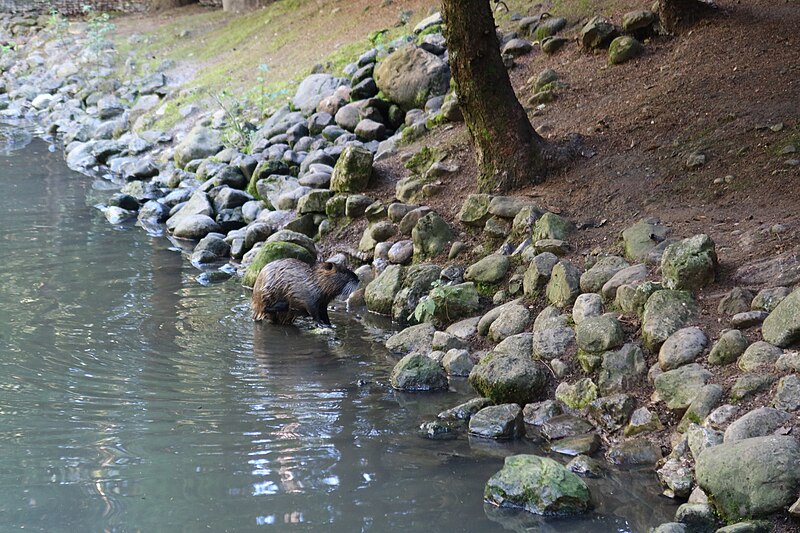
[(606, 356)]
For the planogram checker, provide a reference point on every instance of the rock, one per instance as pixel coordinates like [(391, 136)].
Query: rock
[(475, 210), (448, 303), (624, 48), (788, 362), (599, 334), (417, 338), (689, 264), (353, 170), (621, 370), (721, 417), (538, 273), (293, 237), (551, 226), (612, 412), (593, 279), (536, 414), (632, 298), (464, 329), (679, 387), (457, 362), (748, 319), (634, 21), (511, 321), (490, 269), (670, 527), (759, 356), (697, 517), (781, 269), (682, 347), (757, 423), (749, 526), (676, 474), (632, 275), (312, 90), (736, 301), (465, 410), (562, 426), (633, 452), (517, 47), (417, 372), (749, 384), (586, 466), (585, 444), (706, 400), (787, 394), (195, 227), (381, 292), (643, 421), (768, 299), (272, 251), (498, 422), (700, 438), (410, 76), (728, 348), (564, 284), (199, 143), (538, 485), (587, 305), (418, 281), (430, 235), (642, 237), (550, 317), (506, 378), (428, 22), (666, 312), (752, 477), (577, 395), (782, 326), (597, 33), (553, 342), (547, 27), (370, 130)]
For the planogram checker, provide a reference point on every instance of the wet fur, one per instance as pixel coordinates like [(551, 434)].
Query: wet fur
[(288, 288)]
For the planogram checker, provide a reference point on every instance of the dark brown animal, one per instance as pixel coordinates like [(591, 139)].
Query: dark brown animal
[(288, 288)]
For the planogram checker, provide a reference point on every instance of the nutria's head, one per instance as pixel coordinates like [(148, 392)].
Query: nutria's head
[(335, 279)]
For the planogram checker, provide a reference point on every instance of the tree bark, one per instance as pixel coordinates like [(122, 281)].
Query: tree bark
[(678, 14), (508, 150)]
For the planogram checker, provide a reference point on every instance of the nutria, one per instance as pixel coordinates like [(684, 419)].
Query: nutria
[(288, 288)]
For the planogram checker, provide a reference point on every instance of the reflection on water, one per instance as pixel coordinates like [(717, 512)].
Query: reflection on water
[(134, 398)]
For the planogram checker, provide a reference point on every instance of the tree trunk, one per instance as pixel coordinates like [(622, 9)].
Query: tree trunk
[(507, 148), (677, 14)]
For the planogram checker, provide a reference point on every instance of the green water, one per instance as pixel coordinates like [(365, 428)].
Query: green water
[(135, 399)]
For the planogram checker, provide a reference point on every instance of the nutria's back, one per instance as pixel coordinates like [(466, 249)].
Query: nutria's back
[(288, 288)]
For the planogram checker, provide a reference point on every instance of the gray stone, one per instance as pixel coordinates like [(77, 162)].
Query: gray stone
[(748, 319), (195, 227), (199, 143), (475, 210), (564, 284), (642, 237), (666, 312), (697, 517), (312, 90), (465, 410), (749, 384), (576, 395), (562, 426), (586, 467), (768, 299), (538, 485), (682, 347), (353, 170), (788, 362), (689, 264), (612, 412), (634, 21), (498, 422), (643, 420), (448, 303), (599, 334), (597, 33), (722, 416), (417, 338), (706, 400), (624, 48), (759, 356), (551, 226), (401, 252), (787, 394), (517, 47), (410, 76), (538, 273), (621, 370), (490, 269), (632, 275), (381, 292), (457, 362), (417, 372), (430, 235), (701, 438), (506, 378), (736, 301), (536, 414), (511, 321), (585, 444), (633, 452), (587, 305), (603, 270), (679, 387), (552, 343), (782, 326), (728, 348), (757, 423), (752, 477), (463, 329)]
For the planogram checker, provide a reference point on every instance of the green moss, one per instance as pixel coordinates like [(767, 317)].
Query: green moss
[(422, 160)]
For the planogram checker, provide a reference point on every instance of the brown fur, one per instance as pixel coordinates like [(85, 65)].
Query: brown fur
[(288, 288)]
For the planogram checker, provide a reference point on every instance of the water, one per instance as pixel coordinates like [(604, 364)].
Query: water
[(134, 398)]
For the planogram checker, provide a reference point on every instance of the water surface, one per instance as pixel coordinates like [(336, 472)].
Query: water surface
[(134, 398)]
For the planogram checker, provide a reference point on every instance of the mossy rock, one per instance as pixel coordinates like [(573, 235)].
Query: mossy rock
[(624, 49)]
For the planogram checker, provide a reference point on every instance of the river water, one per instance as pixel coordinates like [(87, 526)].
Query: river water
[(134, 398)]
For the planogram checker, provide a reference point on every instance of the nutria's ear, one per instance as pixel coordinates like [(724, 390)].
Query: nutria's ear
[(328, 266)]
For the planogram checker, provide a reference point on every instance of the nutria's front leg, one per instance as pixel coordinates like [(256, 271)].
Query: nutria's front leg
[(320, 314)]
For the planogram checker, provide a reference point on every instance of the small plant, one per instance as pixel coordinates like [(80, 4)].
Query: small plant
[(263, 68), (7, 46), (98, 25), (237, 133), (56, 22)]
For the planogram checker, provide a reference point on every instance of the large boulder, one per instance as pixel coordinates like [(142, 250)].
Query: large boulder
[(381, 291), (448, 303), (418, 372), (538, 485), (665, 313), (272, 251), (313, 89), (510, 378), (410, 76), (782, 326), (752, 477), (690, 264), (200, 142)]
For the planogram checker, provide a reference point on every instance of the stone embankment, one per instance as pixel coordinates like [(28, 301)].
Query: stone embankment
[(605, 357)]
